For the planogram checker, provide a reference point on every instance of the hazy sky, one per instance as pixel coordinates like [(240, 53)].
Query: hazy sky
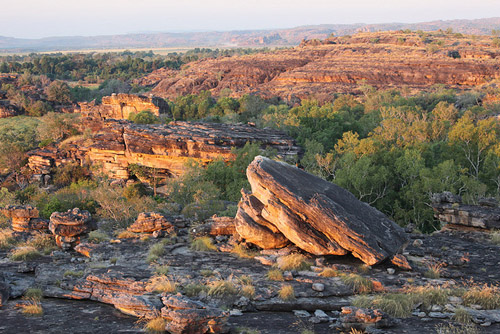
[(42, 18)]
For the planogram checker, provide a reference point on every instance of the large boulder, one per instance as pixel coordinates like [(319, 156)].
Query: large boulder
[(315, 215), (24, 218), (148, 222), (69, 226)]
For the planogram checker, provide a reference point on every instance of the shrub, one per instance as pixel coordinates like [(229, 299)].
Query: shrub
[(144, 117), (203, 244), (293, 262), (287, 292)]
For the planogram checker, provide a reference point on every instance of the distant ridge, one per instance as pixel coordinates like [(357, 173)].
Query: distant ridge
[(243, 38)]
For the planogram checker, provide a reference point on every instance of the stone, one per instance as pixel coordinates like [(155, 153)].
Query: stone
[(301, 313), (418, 242), (24, 218), (337, 223), (186, 316), (438, 315), (321, 315), (400, 261), (215, 226), (4, 290), (149, 222), (391, 271), (456, 214), (360, 318), (319, 287), (69, 226)]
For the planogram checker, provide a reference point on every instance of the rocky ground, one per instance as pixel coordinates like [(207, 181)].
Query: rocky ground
[(117, 272)]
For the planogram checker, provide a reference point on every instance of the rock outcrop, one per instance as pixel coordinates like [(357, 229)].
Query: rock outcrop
[(186, 316), (341, 64), (120, 106), (25, 218), (164, 149), (448, 208), (8, 110), (149, 222), (315, 215), (215, 226), (69, 226)]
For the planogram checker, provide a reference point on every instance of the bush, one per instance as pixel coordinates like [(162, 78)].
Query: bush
[(144, 117)]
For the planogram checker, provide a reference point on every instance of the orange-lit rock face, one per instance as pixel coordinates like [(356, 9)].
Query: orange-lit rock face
[(317, 69), (120, 106), (315, 215)]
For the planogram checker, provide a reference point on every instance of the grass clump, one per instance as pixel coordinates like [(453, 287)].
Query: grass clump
[(33, 294), (495, 237), (155, 251), (162, 269), (203, 244), (24, 253), (293, 262), (32, 308), (275, 275), (287, 292), (329, 272), (206, 272), (462, 315), (430, 295), (222, 288), (6, 238), (155, 325), (43, 242), (194, 290), (461, 329), (358, 283), (243, 252), (434, 269), (161, 284), (72, 273), (398, 305), (246, 330), (97, 237), (125, 234), (248, 291), (485, 295)]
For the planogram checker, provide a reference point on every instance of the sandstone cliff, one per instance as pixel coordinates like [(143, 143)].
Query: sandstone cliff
[(120, 106), (166, 148), (340, 64)]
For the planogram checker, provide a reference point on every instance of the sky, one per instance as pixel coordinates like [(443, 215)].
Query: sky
[(44, 18)]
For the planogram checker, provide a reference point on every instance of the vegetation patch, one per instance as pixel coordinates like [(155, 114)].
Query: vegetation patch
[(293, 262), (24, 254), (287, 292), (203, 244), (358, 283)]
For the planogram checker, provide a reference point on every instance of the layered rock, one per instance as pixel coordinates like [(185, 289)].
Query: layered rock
[(360, 318), (186, 316), (448, 208), (215, 226), (149, 222), (69, 226), (120, 106), (25, 218), (315, 215), (319, 69)]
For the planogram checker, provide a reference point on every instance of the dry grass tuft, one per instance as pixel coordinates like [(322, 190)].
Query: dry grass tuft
[(434, 269), (275, 275), (395, 304), (293, 262), (487, 296), (32, 308), (329, 272), (462, 315), (222, 288), (203, 244), (248, 291), (243, 252), (461, 329), (72, 273), (194, 290), (97, 237), (6, 238), (358, 283), (155, 251), (125, 234), (155, 325), (161, 284), (287, 292), (162, 269), (24, 253)]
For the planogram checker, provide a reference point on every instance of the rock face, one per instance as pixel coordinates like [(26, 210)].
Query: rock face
[(120, 106), (186, 316), (215, 226), (25, 218), (315, 215), (148, 222), (449, 209), (69, 226), (318, 69), (4, 290)]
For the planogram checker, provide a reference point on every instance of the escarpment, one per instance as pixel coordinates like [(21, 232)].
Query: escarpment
[(341, 64), (164, 148)]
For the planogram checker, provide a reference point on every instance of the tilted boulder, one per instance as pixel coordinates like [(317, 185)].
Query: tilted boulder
[(148, 222), (186, 316), (485, 216), (69, 226), (315, 215), (25, 218)]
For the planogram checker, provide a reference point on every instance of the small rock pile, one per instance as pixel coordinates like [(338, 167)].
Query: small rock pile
[(361, 319), (69, 226), (25, 218), (187, 316), (149, 222)]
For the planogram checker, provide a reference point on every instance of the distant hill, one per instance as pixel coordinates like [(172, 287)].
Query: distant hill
[(247, 38)]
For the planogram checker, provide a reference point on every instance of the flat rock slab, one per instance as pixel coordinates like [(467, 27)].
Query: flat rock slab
[(317, 216)]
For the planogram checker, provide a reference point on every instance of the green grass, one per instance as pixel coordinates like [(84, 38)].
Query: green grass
[(194, 290), (162, 269), (155, 251), (71, 273), (358, 283), (34, 294), (398, 305), (97, 237), (462, 315)]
